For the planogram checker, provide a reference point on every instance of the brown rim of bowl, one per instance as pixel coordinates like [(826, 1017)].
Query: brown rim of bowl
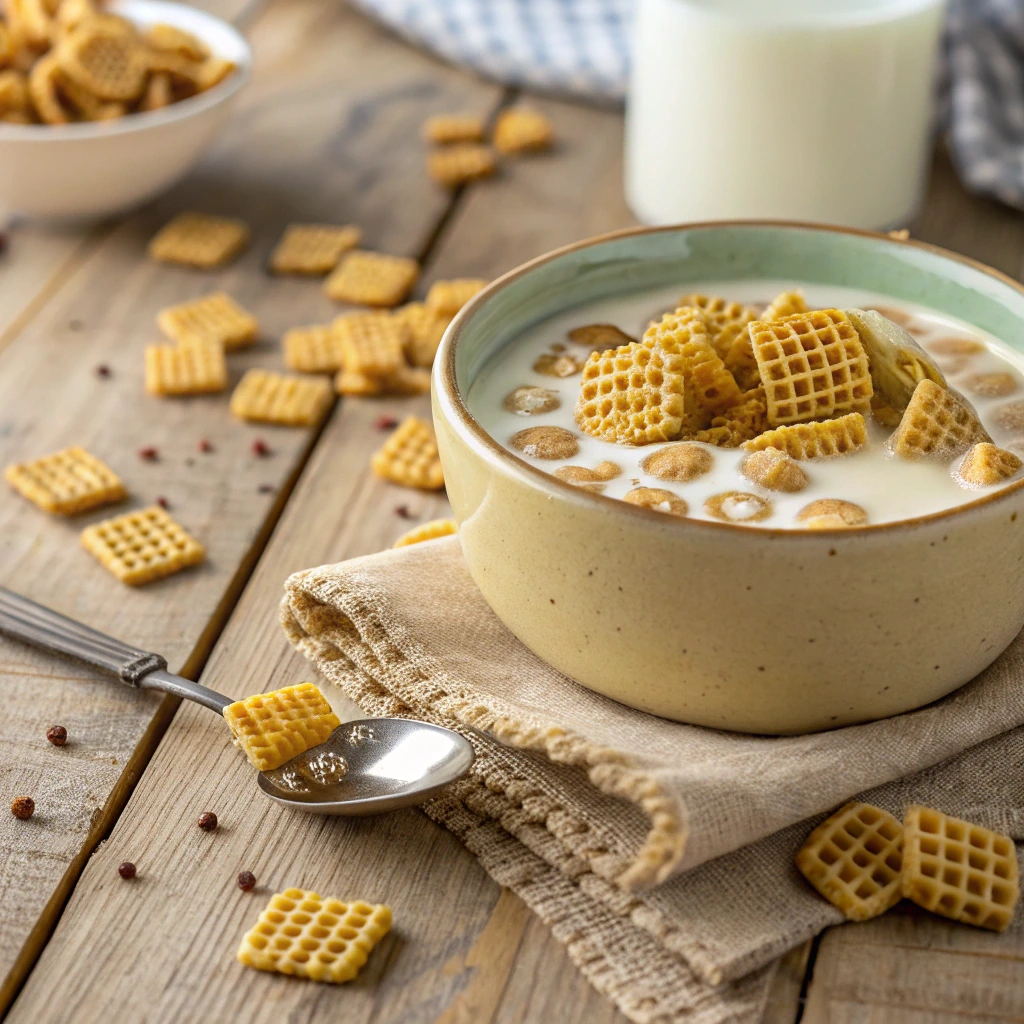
[(448, 386)]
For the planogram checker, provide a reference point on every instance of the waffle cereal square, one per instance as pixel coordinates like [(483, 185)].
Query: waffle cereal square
[(426, 329), (103, 59), (409, 457), (214, 319), (785, 304), (199, 240), (456, 165), (313, 249), (427, 531), (744, 420), (959, 870), (813, 366), (372, 344), (633, 394), (372, 279), (314, 349), (854, 860), (185, 369), (139, 547), (522, 130), (274, 727), (263, 396), (448, 128), (66, 482), (937, 424), (306, 936), (985, 465), (815, 440), (725, 320), (446, 298)]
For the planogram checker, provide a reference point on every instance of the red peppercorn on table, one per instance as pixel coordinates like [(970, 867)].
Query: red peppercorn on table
[(329, 131)]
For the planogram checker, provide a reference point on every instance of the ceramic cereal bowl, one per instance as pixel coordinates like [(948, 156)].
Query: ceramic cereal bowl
[(757, 630)]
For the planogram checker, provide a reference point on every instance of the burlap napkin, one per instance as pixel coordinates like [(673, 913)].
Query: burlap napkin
[(659, 853)]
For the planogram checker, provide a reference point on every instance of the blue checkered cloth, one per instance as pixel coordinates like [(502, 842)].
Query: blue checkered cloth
[(580, 48)]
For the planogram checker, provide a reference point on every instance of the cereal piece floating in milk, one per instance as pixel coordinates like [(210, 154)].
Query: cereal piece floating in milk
[(555, 364), (600, 337), (531, 400), (738, 507), (679, 462), (985, 465), (589, 479), (937, 424), (815, 440), (991, 385), (831, 514), (956, 347), (545, 443), (658, 500), (774, 470)]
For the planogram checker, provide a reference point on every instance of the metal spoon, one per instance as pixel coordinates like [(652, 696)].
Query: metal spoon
[(364, 767)]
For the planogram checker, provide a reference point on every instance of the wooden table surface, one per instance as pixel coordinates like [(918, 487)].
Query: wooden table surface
[(329, 130)]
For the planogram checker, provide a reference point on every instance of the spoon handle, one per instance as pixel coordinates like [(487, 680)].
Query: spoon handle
[(42, 627)]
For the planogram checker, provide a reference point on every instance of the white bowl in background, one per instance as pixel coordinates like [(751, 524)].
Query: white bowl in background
[(89, 170)]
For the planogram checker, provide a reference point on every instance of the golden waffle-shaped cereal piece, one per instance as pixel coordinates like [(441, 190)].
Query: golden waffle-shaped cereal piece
[(313, 249), (785, 304), (959, 870), (720, 437), (633, 394), (314, 349), (139, 547), (427, 531), (88, 106), (66, 482), (530, 400), (586, 478), (194, 369), (774, 470), (558, 364), (815, 440), (446, 298), (546, 442), (110, 63), (263, 396), (937, 424), (409, 457), (42, 89), (372, 279), (426, 329), (831, 514), (456, 165), (738, 507), (306, 936), (746, 419), (740, 362), (406, 380), (725, 320), (679, 463), (159, 92), (14, 96), (658, 500), (199, 240), (170, 38), (991, 385), (854, 860), (600, 337), (372, 344), (448, 128), (813, 366), (521, 130), (985, 465), (685, 334), (215, 319), (274, 727)]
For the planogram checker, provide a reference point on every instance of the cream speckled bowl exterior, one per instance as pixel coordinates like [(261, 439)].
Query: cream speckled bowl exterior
[(767, 631)]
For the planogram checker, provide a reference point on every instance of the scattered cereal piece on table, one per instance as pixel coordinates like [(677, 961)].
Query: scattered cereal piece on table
[(214, 319), (831, 514), (409, 457), (313, 249), (427, 531), (815, 440), (985, 465), (854, 859), (937, 424), (959, 870), (446, 298), (426, 329), (185, 369), (448, 128), (522, 130), (371, 344), (263, 396), (314, 349), (372, 279), (199, 240), (657, 500), (303, 935), (456, 165), (66, 482), (139, 547), (274, 727)]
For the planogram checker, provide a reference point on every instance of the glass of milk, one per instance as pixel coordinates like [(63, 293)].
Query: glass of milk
[(815, 110)]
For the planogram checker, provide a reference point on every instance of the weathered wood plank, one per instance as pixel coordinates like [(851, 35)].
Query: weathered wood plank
[(328, 131)]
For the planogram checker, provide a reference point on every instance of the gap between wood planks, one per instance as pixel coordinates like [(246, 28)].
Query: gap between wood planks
[(104, 821)]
